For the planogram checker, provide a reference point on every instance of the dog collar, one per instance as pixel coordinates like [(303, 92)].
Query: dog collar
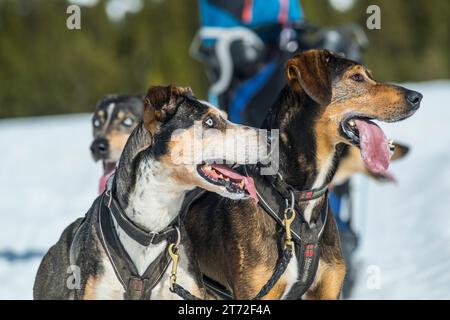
[(138, 234), (287, 190)]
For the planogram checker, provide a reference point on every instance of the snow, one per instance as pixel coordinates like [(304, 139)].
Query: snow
[(48, 179)]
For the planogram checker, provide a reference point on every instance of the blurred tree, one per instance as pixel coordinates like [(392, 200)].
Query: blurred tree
[(46, 68), (413, 43)]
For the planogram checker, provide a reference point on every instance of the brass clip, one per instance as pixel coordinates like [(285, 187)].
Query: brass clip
[(173, 253), (287, 226)]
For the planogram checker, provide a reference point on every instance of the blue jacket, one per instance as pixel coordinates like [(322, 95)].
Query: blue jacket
[(249, 13)]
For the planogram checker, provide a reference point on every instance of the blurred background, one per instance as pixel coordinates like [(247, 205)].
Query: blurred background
[(124, 46), (48, 177)]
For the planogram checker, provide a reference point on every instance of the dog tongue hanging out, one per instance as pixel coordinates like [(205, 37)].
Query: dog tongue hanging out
[(348, 98), (374, 145), (108, 170)]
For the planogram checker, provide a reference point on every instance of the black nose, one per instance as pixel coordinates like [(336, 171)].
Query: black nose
[(414, 98), (99, 147)]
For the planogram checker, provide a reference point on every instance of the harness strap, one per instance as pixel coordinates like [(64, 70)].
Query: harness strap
[(183, 293), (309, 256), (140, 287), (189, 199), (139, 235), (286, 189), (279, 270), (306, 236), (136, 287), (274, 203), (307, 251)]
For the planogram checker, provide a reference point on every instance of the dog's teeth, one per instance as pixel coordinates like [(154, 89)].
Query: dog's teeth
[(207, 167), (227, 179), (242, 184), (352, 123), (220, 176)]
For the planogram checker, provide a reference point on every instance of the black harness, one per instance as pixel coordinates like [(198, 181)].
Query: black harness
[(281, 202), (279, 199), (276, 197), (138, 287)]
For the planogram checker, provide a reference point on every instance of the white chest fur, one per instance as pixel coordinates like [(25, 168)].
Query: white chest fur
[(154, 202)]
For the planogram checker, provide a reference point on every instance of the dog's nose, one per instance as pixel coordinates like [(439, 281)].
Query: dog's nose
[(99, 147), (414, 98)]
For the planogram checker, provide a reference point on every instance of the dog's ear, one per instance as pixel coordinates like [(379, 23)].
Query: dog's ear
[(161, 103), (309, 71)]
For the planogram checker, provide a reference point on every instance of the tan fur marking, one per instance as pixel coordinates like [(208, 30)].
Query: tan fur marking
[(328, 282), (121, 115), (259, 276), (349, 165), (277, 291), (89, 290), (117, 141)]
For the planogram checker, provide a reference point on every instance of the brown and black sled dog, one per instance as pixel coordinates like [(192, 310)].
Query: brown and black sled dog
[(328, 105)]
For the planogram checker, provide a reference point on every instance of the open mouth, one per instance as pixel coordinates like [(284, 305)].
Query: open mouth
[(221, 175), (108, 169), (375, 148)]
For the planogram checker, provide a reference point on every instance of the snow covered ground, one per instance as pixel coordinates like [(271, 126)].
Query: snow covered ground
[(48, 179)]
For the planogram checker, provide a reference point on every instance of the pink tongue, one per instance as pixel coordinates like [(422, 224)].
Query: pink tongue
[(249, 183), (108, 171), (374, 146)]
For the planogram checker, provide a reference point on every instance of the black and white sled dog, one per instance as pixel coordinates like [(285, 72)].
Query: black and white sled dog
[(123, 247)]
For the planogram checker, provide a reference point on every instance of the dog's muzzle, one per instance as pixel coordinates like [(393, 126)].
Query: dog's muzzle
[(100, 148)]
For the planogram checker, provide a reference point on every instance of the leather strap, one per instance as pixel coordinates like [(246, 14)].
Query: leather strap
[(136, 287), (143, 237)]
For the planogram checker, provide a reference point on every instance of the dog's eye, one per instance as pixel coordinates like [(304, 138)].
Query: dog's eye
[(96, 123), (128, 122), (358, 77), (209, 122)]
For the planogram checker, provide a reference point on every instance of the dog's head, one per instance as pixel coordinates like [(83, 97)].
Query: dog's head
[(346, 98), (195, 142), (114, 119)]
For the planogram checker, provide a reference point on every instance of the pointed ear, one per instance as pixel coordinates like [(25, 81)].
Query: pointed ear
[(309, 71), (160, 104)]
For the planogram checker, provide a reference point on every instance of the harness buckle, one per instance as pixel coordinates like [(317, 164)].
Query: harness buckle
[(288, 242), (153, 236), (173, 253), (109, 195)]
